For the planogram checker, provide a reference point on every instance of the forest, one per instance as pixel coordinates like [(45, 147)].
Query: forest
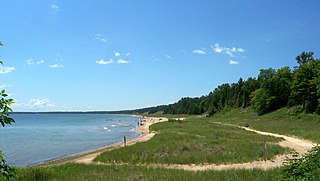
[(270, 90)]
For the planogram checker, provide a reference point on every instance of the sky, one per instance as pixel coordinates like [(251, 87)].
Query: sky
[(108, 55)]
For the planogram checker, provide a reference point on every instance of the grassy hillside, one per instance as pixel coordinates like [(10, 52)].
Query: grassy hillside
[(283, 121)]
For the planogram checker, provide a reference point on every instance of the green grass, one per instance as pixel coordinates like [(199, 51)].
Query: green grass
[(81, 172), (195, 141), (282, 121)]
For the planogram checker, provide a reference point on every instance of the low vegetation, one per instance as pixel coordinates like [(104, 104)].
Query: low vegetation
[(195, 142), (130, 172), (305, 168)]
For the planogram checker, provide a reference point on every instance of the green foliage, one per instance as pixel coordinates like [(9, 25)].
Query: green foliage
[(5, 109), (262, 100), (5, 170), (305, 168), (305, 88)]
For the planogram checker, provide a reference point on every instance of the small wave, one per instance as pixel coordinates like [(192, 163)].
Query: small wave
[(124, 125), (105, 127), (113, 125)]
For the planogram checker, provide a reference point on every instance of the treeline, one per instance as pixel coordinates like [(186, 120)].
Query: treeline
[(271, 90)]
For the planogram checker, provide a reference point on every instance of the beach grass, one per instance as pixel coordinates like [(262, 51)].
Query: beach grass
[(81, 172), (283, 121), (196, 141)]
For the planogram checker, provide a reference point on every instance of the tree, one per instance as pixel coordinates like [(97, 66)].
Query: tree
[(304, 85), (305, 58), (5, 169), (262, 101)]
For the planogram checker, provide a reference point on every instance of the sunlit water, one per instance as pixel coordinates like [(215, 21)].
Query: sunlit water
[(36, 138)]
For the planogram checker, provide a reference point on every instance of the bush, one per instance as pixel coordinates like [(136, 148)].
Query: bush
[(305, 168)]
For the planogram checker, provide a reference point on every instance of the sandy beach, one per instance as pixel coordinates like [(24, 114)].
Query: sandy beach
[(87, 157)]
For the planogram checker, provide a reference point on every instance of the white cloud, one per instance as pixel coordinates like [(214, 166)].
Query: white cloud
[(56, 66), (40, 62), (100, 37), (122, 61), (5, 70), (31, 62), (34, 105), (240, 50), (40, 104), (104, 62), (128, 54), (55, 8), (229, 51), (198, 51), (117, 54), (216, 48), (232, 62)]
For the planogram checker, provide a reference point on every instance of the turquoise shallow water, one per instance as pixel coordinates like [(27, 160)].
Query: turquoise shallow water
[(36, 138)]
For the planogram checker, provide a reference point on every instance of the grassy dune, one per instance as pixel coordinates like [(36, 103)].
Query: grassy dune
[(195, 141)]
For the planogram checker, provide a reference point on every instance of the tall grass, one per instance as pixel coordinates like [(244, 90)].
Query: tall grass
[(79, 172), (195, 141)]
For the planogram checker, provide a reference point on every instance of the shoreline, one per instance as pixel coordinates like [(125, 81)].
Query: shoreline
[(88, 156)]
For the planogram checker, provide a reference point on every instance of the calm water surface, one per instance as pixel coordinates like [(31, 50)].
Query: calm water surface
[(36, 138)]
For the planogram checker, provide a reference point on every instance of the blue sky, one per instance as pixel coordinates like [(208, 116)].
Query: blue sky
[(114, 55)]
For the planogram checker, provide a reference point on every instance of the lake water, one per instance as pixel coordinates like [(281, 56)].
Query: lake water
[(36, 138)]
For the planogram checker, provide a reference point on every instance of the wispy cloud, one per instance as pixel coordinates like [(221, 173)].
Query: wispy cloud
[(198, 51), (34, 105), (216, 48), (128, 54), (31, 62), (122, 61), (56, 66), (233, 62), (226, 50), (104, 62), (117, 54), (41, 103), (5, 70), (100, 37), (40, 62), (55, 8)]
